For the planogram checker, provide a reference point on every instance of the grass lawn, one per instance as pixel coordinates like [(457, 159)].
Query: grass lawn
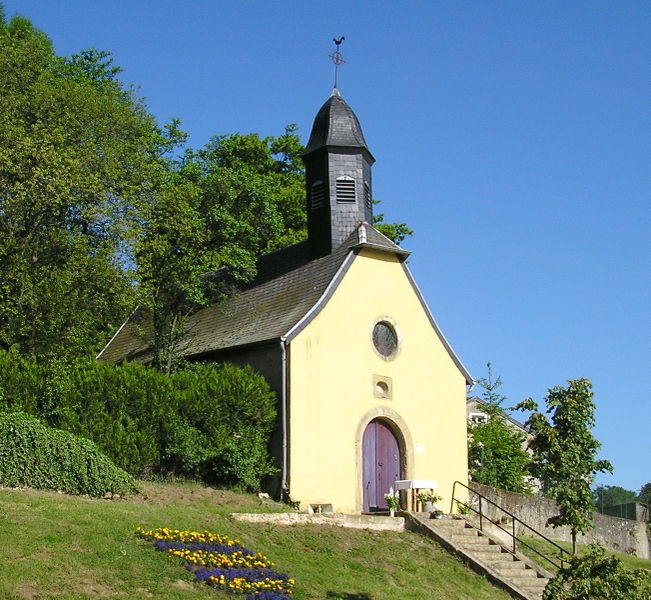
[(630, 562), (72, 548)]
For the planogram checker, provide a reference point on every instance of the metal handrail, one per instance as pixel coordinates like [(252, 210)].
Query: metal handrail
[(514, 519)]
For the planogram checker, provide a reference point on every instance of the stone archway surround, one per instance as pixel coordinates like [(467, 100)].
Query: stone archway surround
[(405, 443)]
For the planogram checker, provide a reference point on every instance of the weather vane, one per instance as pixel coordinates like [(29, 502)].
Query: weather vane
[(336, 57)]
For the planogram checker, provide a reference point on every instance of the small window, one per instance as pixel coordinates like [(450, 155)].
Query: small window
[(367, 194), (478, 418), (317, 196), (345, 189), (382, 387)]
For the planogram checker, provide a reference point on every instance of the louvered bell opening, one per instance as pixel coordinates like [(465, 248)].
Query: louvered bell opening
[(317, 197), (345, 189), (367, 195)]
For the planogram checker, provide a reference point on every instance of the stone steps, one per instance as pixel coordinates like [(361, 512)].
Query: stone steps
[(514, 572)]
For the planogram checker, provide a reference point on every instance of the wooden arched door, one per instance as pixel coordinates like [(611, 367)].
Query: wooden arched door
[(381, 464)]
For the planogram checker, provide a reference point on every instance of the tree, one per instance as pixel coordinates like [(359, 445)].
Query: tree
[(396, 232), (645, 493), (89, 193), (611, 495), (237, 198), (564, 453), (79, 155), (598, 576), (496, 456), (223, 206), (491, 398)]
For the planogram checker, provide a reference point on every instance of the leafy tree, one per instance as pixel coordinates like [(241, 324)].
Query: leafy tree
[(88, 193), (78, 156), (223, 206), (598, 576), (396, 232), (564, 453), (496, 457), (645, 493), (612, 495), (496, 454)]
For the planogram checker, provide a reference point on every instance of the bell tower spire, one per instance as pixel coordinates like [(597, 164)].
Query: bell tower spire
[(337, 175)]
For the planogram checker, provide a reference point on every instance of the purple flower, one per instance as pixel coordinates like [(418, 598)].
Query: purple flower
[(250, 575)]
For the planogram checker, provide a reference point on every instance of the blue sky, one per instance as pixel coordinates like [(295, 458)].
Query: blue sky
[(512, 136)]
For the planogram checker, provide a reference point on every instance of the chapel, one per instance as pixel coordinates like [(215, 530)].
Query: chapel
[(369, 390)]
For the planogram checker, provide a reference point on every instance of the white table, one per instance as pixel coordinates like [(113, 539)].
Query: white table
[(411, 487)]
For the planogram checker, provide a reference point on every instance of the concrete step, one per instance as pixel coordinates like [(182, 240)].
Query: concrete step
[(517, 573), (469, 540), (530, 583), (534, 593), (448, 522), (465, 533), (488, 556), (493, 549), (497, 562)]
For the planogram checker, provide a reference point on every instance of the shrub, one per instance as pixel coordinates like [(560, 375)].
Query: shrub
[(234, 409), (21, 383), (599, 576), (204, 421), (34, 455), (124, 409)]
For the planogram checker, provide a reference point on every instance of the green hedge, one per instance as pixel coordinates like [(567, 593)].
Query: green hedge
[(34, 455), (234, 411), (22, 383), (205, 421)]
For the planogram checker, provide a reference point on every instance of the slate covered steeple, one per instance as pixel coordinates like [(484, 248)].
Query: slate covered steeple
[(338, 176)]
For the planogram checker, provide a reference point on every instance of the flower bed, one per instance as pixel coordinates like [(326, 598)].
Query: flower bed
[(223, 563)]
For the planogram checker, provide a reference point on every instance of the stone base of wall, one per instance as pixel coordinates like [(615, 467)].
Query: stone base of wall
[(617, 535), (351, 521)]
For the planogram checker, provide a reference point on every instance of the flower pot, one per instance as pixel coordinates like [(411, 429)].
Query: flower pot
[(428, 507), (392, 512)]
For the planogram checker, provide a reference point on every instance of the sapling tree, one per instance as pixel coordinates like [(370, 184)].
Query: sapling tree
[(564, 453), (491, 397)]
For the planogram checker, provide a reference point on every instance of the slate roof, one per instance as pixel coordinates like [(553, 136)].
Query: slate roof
[(335, 125), (288, 285)]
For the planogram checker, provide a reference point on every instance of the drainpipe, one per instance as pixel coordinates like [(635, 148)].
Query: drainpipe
[(283, 409)]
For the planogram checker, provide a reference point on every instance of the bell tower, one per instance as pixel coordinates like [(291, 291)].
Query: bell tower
[(338, 176)]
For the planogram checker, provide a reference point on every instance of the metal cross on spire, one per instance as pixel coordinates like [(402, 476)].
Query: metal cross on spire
[(336, 57)]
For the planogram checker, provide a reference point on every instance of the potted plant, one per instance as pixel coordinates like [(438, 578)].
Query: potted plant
[(437, 513), (428, 499), (392, 498)]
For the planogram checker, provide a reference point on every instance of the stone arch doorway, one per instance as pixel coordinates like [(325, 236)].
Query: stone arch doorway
[(382, 463)]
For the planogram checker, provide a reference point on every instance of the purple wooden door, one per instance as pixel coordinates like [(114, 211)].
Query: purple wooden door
[(381, 464)]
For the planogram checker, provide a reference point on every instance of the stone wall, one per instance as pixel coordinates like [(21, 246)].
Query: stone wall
[(619, 535), (374, 523)]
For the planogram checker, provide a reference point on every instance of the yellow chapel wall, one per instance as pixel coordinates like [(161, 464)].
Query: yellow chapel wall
[(332, 368)]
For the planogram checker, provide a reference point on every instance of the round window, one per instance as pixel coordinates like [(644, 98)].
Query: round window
[(385, 339)]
